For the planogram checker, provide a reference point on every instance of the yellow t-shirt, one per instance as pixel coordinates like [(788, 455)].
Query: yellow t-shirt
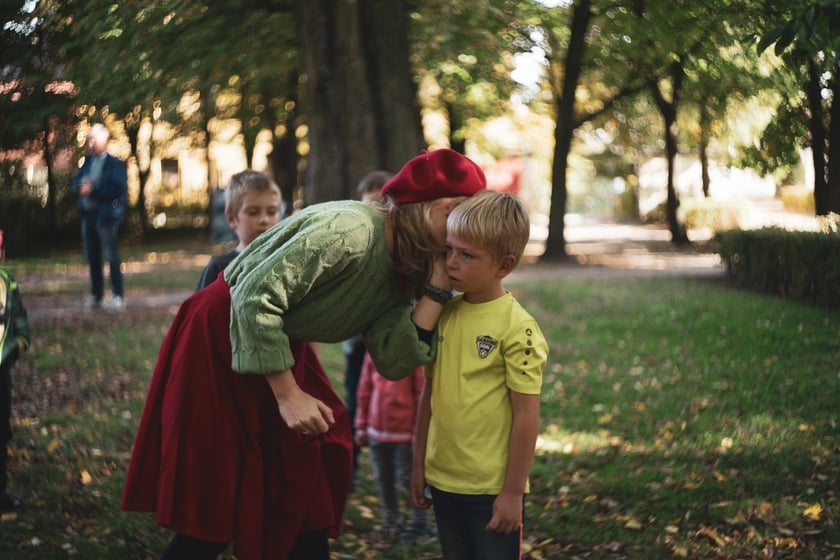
[(484, 351)]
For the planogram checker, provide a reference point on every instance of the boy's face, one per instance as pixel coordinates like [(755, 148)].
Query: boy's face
[(475, 271), (260, 210)]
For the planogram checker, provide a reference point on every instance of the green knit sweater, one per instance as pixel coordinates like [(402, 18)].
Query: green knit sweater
[(322, 275)]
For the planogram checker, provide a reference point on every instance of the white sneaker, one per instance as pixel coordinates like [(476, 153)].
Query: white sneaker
[(90, 302), (116, 303)]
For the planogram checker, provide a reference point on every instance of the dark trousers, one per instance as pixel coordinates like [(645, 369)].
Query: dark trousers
[(309, 546), (354, 357), (462, 520), (5, 423), (100, 244)]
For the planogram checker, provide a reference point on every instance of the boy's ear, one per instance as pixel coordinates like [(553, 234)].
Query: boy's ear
[(506, 266)]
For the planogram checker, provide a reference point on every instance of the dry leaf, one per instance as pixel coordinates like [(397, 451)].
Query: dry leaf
[(712, 536), (813, 512), (680, 552), (52, 446), (633, 524)]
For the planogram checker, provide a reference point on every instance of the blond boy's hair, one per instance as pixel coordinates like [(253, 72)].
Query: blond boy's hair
[(245, 182), (497, 222)]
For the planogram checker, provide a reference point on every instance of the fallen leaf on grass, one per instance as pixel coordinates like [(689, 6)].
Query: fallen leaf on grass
[(633, 524), (712, 535), (53, 446), (764, 510), (738, 519), (813, 512), (785, 543)]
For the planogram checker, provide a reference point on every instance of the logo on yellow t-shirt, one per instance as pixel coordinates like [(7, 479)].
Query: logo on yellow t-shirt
[(485, 345)]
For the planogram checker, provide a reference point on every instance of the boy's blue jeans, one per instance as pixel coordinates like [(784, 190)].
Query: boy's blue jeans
[(461, 523), (100, 243)]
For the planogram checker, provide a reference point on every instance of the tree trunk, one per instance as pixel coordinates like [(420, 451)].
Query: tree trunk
[(832, 187), (359, 101), (704, 151), (455, 123), (669, 116), (817, 128), (385, 29), (283, 159), (132, 131), (143, 177), (48, 161), (207, 101), (555, 246), (338, 105), (247, 126)]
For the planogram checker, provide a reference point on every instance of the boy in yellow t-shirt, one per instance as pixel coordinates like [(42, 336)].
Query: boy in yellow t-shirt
[(479, 411)]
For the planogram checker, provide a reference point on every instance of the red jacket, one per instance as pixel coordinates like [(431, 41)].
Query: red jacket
[(387, 410)]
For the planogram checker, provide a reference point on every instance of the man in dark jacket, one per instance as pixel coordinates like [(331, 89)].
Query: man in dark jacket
[(102, 185)]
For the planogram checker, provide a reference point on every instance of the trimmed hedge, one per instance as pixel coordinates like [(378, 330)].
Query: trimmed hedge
[(802, 265)]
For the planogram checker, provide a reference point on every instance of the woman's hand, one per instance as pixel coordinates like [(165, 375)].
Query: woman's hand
[(300, 411), (440, 277)]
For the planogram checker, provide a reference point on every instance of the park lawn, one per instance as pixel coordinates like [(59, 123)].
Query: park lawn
[(681, 419)]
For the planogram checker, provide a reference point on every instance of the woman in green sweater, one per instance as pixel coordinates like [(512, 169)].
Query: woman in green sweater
[(242, 437)]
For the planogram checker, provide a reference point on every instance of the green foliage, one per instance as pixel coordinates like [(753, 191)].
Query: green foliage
[(462, 52), (794, 264), (814, 27)]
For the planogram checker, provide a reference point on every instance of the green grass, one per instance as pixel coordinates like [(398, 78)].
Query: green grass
[(681, 419)]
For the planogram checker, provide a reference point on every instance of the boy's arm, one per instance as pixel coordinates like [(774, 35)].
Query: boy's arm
[(507, 509), (421, 433)]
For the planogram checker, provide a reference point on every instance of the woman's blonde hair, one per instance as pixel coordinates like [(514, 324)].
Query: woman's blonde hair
[(245, 182), (414, 248)]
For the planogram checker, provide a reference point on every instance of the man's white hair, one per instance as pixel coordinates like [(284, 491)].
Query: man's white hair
[(100, 131)]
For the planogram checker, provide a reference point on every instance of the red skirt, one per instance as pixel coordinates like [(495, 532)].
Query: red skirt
[(214, 459)]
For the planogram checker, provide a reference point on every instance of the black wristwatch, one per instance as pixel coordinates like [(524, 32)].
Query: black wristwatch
[(437, 294)]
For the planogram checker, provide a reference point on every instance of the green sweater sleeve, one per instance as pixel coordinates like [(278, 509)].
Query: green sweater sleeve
[(394, 346)]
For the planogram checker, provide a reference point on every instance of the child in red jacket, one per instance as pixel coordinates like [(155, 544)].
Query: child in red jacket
[(386, 415)]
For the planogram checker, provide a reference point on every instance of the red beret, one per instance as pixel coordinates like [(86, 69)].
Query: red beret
[(440, 173)]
